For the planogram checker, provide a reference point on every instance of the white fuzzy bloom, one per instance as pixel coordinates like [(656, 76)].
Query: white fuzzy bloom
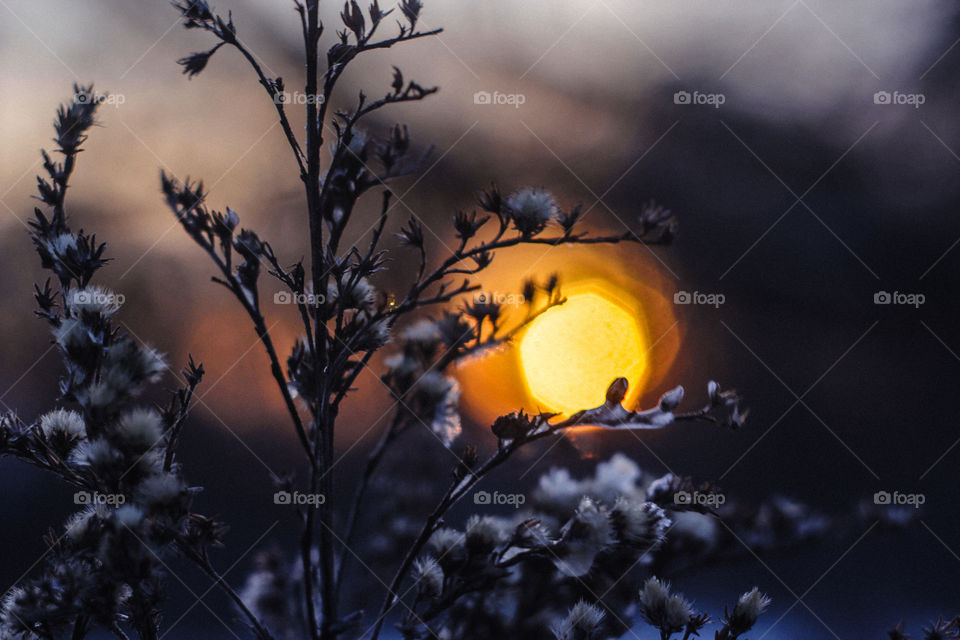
[(485, 533), (698, 530), (558, 492), (11, 612), (360, 295), (531, 209), (152, 363), (581, 623), (162, 489), (96, 454), (616, 477), (441, 394), (677, 613), (400, 364), (128, 516), (588, 533), (672, 398), (141, 428), (643, 524), (78, 525), (98, 395), (428, 576), (749, 607), (669, 613), (447, 543), (654, 594), (422, 332), (62, 244), (377, 335), (61, 421)]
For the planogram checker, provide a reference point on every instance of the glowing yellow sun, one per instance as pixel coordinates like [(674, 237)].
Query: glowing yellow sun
[(571, 353)]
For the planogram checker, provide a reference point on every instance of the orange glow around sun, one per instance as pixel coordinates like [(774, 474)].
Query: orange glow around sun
[(571, 353), (618, 320)]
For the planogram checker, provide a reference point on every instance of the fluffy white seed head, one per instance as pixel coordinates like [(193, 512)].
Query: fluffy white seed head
[(750, 605), (162, 489), (581, 623), (447, 542), (428, 576), (484, 533), (63, 422), (141, 428), (531, 209), (654, 594), (640, 523), (97, 454), (422, 332), (677, 612)]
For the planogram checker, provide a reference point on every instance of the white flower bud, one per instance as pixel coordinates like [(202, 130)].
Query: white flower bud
[(670, 400), (712, 390), (748, 609)]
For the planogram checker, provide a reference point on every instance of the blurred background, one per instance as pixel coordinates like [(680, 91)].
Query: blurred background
[(809, 149)]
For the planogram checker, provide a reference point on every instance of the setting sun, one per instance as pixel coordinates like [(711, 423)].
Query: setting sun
[(571, 353)]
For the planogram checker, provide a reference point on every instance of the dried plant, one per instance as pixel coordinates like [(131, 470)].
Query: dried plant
[(533, 575)]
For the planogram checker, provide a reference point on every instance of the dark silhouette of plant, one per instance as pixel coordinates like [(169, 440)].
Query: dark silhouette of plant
[(107, 568)]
